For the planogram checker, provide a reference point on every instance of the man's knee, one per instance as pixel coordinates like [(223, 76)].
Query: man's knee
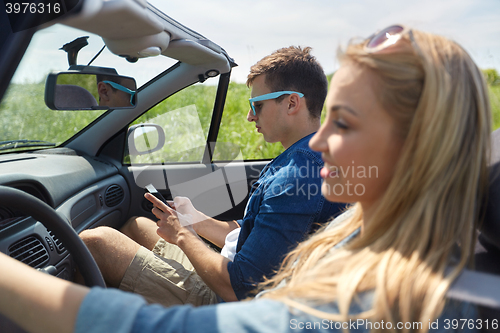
[(96, 238), (112, 251), (130, 226), (142, 230)]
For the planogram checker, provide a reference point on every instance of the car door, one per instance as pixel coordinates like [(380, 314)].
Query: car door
[(203, 155)]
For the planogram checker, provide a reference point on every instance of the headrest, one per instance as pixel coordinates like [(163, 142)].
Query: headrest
[(490, 230), (72, 97)]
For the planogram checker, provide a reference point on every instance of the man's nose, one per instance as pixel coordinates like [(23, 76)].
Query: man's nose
[(250, 116)]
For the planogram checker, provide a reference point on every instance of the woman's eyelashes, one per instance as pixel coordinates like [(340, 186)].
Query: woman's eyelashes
[(340, 125)]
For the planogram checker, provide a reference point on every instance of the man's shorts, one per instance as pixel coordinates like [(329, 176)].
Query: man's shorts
[(166, 276)]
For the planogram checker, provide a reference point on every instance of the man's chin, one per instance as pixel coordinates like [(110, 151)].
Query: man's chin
[(269, 140)]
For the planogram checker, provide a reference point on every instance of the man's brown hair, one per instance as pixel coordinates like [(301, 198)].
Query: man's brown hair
[(294, 68)]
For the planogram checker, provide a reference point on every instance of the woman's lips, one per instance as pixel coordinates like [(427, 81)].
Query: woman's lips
[(327, 173)]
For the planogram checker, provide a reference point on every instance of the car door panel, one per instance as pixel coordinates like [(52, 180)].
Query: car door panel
[(214, 201)]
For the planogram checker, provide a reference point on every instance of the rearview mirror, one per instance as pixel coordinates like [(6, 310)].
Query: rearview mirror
[(83, 91)]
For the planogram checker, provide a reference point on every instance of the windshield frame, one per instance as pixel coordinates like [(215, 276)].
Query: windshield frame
[(23, 45)]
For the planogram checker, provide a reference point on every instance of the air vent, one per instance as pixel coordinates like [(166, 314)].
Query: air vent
[(30, 251), (59, 246), (113, 196)]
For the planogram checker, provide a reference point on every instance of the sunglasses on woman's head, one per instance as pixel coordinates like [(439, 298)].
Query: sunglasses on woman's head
[(387, 37)]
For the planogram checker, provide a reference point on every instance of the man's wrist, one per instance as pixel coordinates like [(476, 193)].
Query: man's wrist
[(186, 236), (199, 222), (200, 217)]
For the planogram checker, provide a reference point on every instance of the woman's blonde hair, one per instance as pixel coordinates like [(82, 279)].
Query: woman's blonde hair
[(423, 232)]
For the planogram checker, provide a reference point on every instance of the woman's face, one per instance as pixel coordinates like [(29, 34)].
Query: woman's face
[(357, 139)]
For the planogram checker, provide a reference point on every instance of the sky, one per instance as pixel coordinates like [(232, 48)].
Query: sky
[(251, 29)]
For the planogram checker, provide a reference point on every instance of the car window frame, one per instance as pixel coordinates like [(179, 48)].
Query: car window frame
[(215, 121)]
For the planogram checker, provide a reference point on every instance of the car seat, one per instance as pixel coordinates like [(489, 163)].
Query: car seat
[(487, 255), (69, 96)]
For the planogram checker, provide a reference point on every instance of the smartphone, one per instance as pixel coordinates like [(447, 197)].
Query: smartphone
[(151, 189)]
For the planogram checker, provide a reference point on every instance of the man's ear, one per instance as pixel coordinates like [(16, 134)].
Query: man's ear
[(293, 104), (103, 91)]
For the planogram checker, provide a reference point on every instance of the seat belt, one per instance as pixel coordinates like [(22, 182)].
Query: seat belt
[(476, 287)]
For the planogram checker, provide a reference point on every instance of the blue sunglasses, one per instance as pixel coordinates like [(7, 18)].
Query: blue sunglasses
[(271, 96), (122, 88)]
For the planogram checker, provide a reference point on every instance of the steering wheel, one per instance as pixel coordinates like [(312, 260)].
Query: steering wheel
[(40, 211)]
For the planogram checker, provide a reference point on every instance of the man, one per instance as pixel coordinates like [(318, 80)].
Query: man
[(115, 92), (288, 91)]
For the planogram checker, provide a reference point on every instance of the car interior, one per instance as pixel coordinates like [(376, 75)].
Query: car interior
[(488, 245), (96, 175)]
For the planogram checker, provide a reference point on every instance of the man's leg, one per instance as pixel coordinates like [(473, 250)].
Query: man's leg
[(164, 276), (112, 251), (142, 231)]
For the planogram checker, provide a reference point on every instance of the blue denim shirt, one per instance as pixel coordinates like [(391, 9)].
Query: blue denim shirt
[(285, 205), (111, 310)]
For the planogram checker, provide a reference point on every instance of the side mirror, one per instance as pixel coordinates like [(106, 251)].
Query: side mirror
[(145, 139), (76, 90)]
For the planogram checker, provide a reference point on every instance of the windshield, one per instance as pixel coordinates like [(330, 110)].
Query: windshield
[(26, 122)]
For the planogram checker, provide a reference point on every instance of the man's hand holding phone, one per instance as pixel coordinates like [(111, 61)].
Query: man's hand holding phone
[(151, 189), (171, 223)]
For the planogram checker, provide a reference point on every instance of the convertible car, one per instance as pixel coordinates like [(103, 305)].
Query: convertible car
[(71, 158)]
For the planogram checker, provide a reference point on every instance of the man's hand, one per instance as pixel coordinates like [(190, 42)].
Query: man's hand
[(184, 206), (176, 228), (211, 229), (171, 223)]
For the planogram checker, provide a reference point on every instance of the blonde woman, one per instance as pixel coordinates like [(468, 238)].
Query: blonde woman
[(405, 139)]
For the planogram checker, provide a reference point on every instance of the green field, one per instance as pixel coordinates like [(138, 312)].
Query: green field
[(25, 116), (235, 128), (495, 105)]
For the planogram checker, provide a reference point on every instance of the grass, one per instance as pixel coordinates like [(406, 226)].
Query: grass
[(236, 129), (185, 135), (185, 118), (25, 116), (494, 92)]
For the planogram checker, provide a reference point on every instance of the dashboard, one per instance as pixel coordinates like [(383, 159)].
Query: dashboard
[(86, 191)]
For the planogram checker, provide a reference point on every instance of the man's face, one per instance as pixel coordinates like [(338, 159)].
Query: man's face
[(270, 116), (113, 98)]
